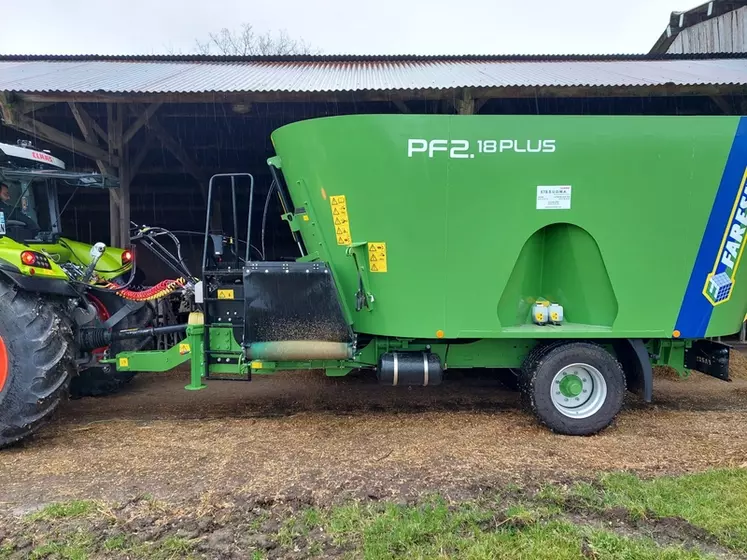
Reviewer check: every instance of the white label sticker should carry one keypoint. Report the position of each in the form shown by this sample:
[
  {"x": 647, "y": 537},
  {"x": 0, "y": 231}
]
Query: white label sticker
[{"x": 556, "y": 197}]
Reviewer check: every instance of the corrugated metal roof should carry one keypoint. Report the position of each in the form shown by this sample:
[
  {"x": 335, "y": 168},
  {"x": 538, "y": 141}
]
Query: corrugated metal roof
[{"x": 158, "y": 75}]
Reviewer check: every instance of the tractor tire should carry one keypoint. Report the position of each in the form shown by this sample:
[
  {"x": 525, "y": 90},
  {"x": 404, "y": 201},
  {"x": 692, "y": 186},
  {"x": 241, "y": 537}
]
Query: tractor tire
[
  {"x": 100, "y": 381},
  {"x": 573, "y": 388},
  {"x": 36, "y": 362}
]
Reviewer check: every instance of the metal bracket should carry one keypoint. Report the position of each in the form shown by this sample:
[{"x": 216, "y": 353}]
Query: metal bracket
[
  {"x": 292, "y": 223},
  {"x": 364, "y": 295},
  {"x": 122, "y": 312}
]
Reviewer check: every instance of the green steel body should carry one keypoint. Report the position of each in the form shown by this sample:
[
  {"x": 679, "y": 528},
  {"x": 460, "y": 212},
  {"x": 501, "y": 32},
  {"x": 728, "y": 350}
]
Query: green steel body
[
  {"x": 621, "y": 220},
  {"x": 468, "y": 251}
]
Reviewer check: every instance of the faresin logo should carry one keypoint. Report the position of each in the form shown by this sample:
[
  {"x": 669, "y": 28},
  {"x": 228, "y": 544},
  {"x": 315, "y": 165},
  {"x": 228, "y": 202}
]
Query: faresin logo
[{"x": 720, "y": 281}]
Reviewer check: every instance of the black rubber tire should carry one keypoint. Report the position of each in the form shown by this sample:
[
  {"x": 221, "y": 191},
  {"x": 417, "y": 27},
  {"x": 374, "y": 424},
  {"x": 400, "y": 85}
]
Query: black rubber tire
[
  {"x": 545, "y": 361},
  {"x": 101, "y": 381},
  {"x": 38, "y": 342}
]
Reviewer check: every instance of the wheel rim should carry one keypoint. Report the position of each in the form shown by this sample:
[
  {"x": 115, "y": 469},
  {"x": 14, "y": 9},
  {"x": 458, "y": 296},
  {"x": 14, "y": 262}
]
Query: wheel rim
[
  {"x": 3, "y": 364},
  {"x": 578, "y": 391}
]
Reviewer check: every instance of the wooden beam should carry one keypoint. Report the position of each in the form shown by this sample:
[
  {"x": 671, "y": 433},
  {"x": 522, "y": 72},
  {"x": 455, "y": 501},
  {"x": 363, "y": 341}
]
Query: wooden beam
[
  {"x": 6, "y": 110},
  {"x": 193, "y": 169},
  {"x": 26, "y": 107},
  {"x": 100, "y": 132},
  {"x": 136, "y": 162},
  {"x": 86, "y": 128},
  {"x": 177, "y": 150},
  {"x": 38, "y": 129},
  {"x": 91, "y": 123},
  {"x": 668, "y": 90},
  {"x": 722, "y": 104},
  {"x": 144, "y": 117},
  {"x": 399, "y": 104},
  {"x": 479, "y": 104}
]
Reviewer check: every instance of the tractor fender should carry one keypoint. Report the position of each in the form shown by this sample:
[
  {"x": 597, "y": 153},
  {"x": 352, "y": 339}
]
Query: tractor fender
[
  {"x": 633, "y": 356},
  {"x": 35, "y": 283}
]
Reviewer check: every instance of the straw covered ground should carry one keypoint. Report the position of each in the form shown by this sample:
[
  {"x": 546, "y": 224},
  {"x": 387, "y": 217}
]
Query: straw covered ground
[
  {"x": 299, "y": 465},
  {"x": 305, "y": 435}
]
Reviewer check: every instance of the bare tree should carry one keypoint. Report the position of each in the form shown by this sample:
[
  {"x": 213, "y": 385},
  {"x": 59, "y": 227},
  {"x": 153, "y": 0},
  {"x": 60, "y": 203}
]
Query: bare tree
[{"x": 245, "y": 42}]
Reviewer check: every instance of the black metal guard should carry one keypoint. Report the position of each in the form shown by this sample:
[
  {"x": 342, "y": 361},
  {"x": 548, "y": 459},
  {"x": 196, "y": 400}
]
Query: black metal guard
[
  {"x": 292, "y": 301},
  {"x": 232, "y": 176},
  {"x": 286, "y": 203}
]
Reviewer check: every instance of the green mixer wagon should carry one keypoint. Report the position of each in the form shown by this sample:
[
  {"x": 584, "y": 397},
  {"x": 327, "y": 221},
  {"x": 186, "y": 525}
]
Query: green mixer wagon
[{"x": 576, "y": 252}]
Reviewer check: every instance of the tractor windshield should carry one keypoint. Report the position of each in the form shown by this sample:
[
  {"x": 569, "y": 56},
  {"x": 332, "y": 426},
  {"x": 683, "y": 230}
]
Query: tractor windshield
[{"x": 27, "y": 199}]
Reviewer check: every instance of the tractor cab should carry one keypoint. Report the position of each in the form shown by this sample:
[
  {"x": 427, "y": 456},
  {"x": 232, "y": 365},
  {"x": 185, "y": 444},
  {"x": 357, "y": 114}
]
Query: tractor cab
[
  {"x": 29, "y": 199},
  {"x": 30, "y": 214}
]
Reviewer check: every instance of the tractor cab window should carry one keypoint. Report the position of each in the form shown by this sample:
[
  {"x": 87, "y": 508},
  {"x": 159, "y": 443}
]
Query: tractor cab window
[
  {"x": 35, "y": 204},
  {"x": 18, "y": 209}
]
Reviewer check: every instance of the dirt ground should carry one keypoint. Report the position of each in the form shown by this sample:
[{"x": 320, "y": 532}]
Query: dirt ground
[{"x": 307, "y": 437}]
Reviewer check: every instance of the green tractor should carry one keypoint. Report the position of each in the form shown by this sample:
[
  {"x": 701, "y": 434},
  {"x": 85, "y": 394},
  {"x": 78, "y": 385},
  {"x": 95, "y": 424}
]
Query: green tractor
[{"x": 54, "y": 290}]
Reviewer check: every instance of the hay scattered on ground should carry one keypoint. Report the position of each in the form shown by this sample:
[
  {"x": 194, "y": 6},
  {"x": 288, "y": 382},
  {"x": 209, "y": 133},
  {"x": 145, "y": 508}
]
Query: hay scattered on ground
[
  {"x": 737, "y": 365},
  {"x": 330, "y": 439}
]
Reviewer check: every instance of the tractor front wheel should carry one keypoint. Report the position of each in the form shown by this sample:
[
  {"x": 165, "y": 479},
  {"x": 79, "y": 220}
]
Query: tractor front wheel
[{"x": 35, "y": 362}]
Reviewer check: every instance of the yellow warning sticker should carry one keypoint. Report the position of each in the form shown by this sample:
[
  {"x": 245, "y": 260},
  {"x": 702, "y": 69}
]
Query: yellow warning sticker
[
  {"x": 340, "y": 220},
  {"x": 377, "y": 257},
  {"x": 256, "y": 365},
  {"x": 124, "y": 362},
  {"x": 225, "y": 294},
  {"x": 183, "y": 349}
]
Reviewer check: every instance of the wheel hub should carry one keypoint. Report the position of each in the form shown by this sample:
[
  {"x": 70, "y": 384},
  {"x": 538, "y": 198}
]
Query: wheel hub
[
  {"x": 578, "y": 390},
  {"x": 571, "y": 386}
]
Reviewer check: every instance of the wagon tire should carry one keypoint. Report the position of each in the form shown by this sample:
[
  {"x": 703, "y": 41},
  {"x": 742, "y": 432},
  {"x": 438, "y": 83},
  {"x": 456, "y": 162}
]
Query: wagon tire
[{"x": 573, "y": 388}]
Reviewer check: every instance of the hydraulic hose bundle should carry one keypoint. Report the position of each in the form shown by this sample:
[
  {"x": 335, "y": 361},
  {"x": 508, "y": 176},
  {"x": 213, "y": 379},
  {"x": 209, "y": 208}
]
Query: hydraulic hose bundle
[{"x": 160, "y": 290}]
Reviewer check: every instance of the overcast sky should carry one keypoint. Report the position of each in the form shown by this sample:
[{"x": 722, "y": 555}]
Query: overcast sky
[{"x": 340, "y": 26}]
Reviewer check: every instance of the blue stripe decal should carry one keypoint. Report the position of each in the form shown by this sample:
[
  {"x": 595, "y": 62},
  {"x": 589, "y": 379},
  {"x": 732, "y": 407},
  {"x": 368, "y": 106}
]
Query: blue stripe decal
[{"x": 696, "y": 309}]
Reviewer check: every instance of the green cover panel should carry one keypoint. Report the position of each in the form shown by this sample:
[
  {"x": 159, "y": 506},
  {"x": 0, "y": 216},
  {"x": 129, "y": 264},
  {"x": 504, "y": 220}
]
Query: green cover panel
[{"x": 477, "y": 219}]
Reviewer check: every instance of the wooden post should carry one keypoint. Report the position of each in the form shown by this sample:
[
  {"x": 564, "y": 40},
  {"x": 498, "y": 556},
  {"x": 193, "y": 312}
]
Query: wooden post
[
  {"x": 114, "y": 230},
  {"x": 465, "y": 105},
  {"x": 124, "y": 180}
]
